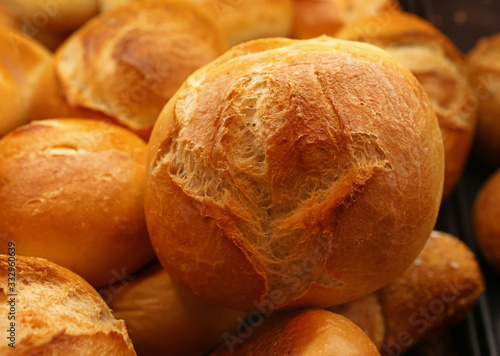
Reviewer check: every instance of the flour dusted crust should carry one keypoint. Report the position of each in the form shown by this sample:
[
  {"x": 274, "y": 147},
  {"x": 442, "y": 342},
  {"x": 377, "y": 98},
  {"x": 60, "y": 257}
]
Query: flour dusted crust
[
  {"x": 311, "y": 170},
  {"x": 58, "y": 313}
]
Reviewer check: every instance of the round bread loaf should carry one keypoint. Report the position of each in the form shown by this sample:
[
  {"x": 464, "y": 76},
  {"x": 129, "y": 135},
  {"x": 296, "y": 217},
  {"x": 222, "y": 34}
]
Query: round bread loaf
[
  {"x": 293, "y": 173},
  {"x": 486, "y": 220},
  {"x": 305, "y": 332},
  {"x": 55, "y": 312},
  {"x": 22, "y": 61},
  {"x": 72, "y": 191},
  {"x": 484, "y": 72},
  {"x": 312, "y": 18},
  {"x": 165, "y": 319},
  {"x": 57, "y": 15},
  {"x": 240, "y": 20},
  {"x": 439, "y": 67},
  {"x": 124, "y": 65}
]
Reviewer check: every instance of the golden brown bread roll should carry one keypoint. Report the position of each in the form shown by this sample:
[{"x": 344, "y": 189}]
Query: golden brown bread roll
[
  {"x": 312, "y": 18},
  {"x": 55, "y": 312},
  {"x": 6, "y": 19},
  {"x": 165, "y": 319},
  {"x": 55, "y": 16},
  {"x": 293, "y": 173},
  {"x": 22, "y": 61},
  {"x": 72, "y": 191},
  {"x": 439, "y": 67},
  {"x": 484, "y": 72},
  {"x": 124, "y": 65},
  {"x": 435, "y": 292},
  {"x": 240, "y": 20},
  {"x": 486, "y": 220},
  {"x": 301, "y": 333}
]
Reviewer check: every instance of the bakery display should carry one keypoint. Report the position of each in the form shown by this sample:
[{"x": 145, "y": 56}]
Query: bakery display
[
  {"x": 22, "y": 61},
  {"x": 486, "y": 220},
  {"x": 124, "y": 65},
  {"x": 285, "y": 174},
  {"x": 439, "y": 288},
  {"x": 305, "y": 332},
  {"x": 165, "y": 319},
  {"x": 439, "y": 67},
  {"x": 55, "y": 312},
  {"x": 72, "y": 191},
  {"x": 484, "y": 73},
  {"x": 313, "y": 18},
  {"x": 240, "y": 20}
]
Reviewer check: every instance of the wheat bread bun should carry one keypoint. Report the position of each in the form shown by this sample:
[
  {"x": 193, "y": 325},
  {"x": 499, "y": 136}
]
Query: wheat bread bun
[
  {"x": 54, "y": 16},
  {"x": 124, "y": 65},
  {"x": 484, "y": 73},
  {"x": 163, "y": 318},
  {"x": 72, "y": 191},
  {"x": 56, "y": 312},
  {"x": 486, "y": 221},
  {"x": 22, "y": 61},
  {"x": 293, "y": 173},
  {"x": 305, "y": 332},
  {"x": 313, "y": 18},
  {"x": 240, "y": 20},
  {"x": 440, "y": 68},
  {"x": 438, "y": 290}
]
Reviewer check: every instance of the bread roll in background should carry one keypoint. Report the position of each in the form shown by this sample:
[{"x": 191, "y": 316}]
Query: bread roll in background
[
  {"x": 440, "y": 68},
  {"x": 56, "y": 312},
  {"x": 22, "y": 61},
  {"x": 293, "y": 173},
  {"x": 305, "y": 332},
  {"x": 72, "y": 191},
  {"x": 441, "y": 286},
  {"x": 124, "y": 65},
  {"x": 240, "y": 20},
  {"x": 165, "y": 319},
  {"x": 55, "y": 16},
  {"x": 484, "y": 72},
  {"x": 312, "y": 18},
  {"x": 486, "y": 221}
]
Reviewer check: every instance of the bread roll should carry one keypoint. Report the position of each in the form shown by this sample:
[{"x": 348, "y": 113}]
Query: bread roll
[
  {"x": 293, "y": 173},
  {"x": 305, "y": 332},
  {"x": 435, "y": 292},
  {"x": 124, "y": 65},
  {"x": 55, "y": 312},
  {"x": 165, "y": 319},
  {"x": 6, "y": 19},
  {"x": 54, "y": 15},
  {"x": 484, "y": 72},
  {"x": 440, "y": 68},
  {"x": 72, "y": 191},
  {"x": 240, "y": 20},
  {"x": 486, "y": 220},
  {"x": 22, "y": 61},
  {"x": 312, "y": 18}
]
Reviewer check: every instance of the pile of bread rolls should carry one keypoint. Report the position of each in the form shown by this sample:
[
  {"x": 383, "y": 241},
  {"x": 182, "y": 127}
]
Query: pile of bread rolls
[{"x": 236, "y": 177}]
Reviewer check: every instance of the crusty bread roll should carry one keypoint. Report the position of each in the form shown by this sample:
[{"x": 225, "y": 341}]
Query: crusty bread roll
[
  {"x": 240, "y": 20},
  {"x": 440, "y": 68},
  {"x": 71, "y": 191},
  {"x": 55, "y": 15},
  {"x": 435, "y": 292},
  {"x": 55, "y": 312},
  {"x": 293, "y": 173},
  {"x": 483, "y": 63},
  {"x": 312, "y": 18},
  {"x": 22, "y": 61},
  {"x": 165, "y": 319},
  {"x": 300, "y": 333},
  {"x": 124, "y": 65},
  {"x": 486, "y": 220}
]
